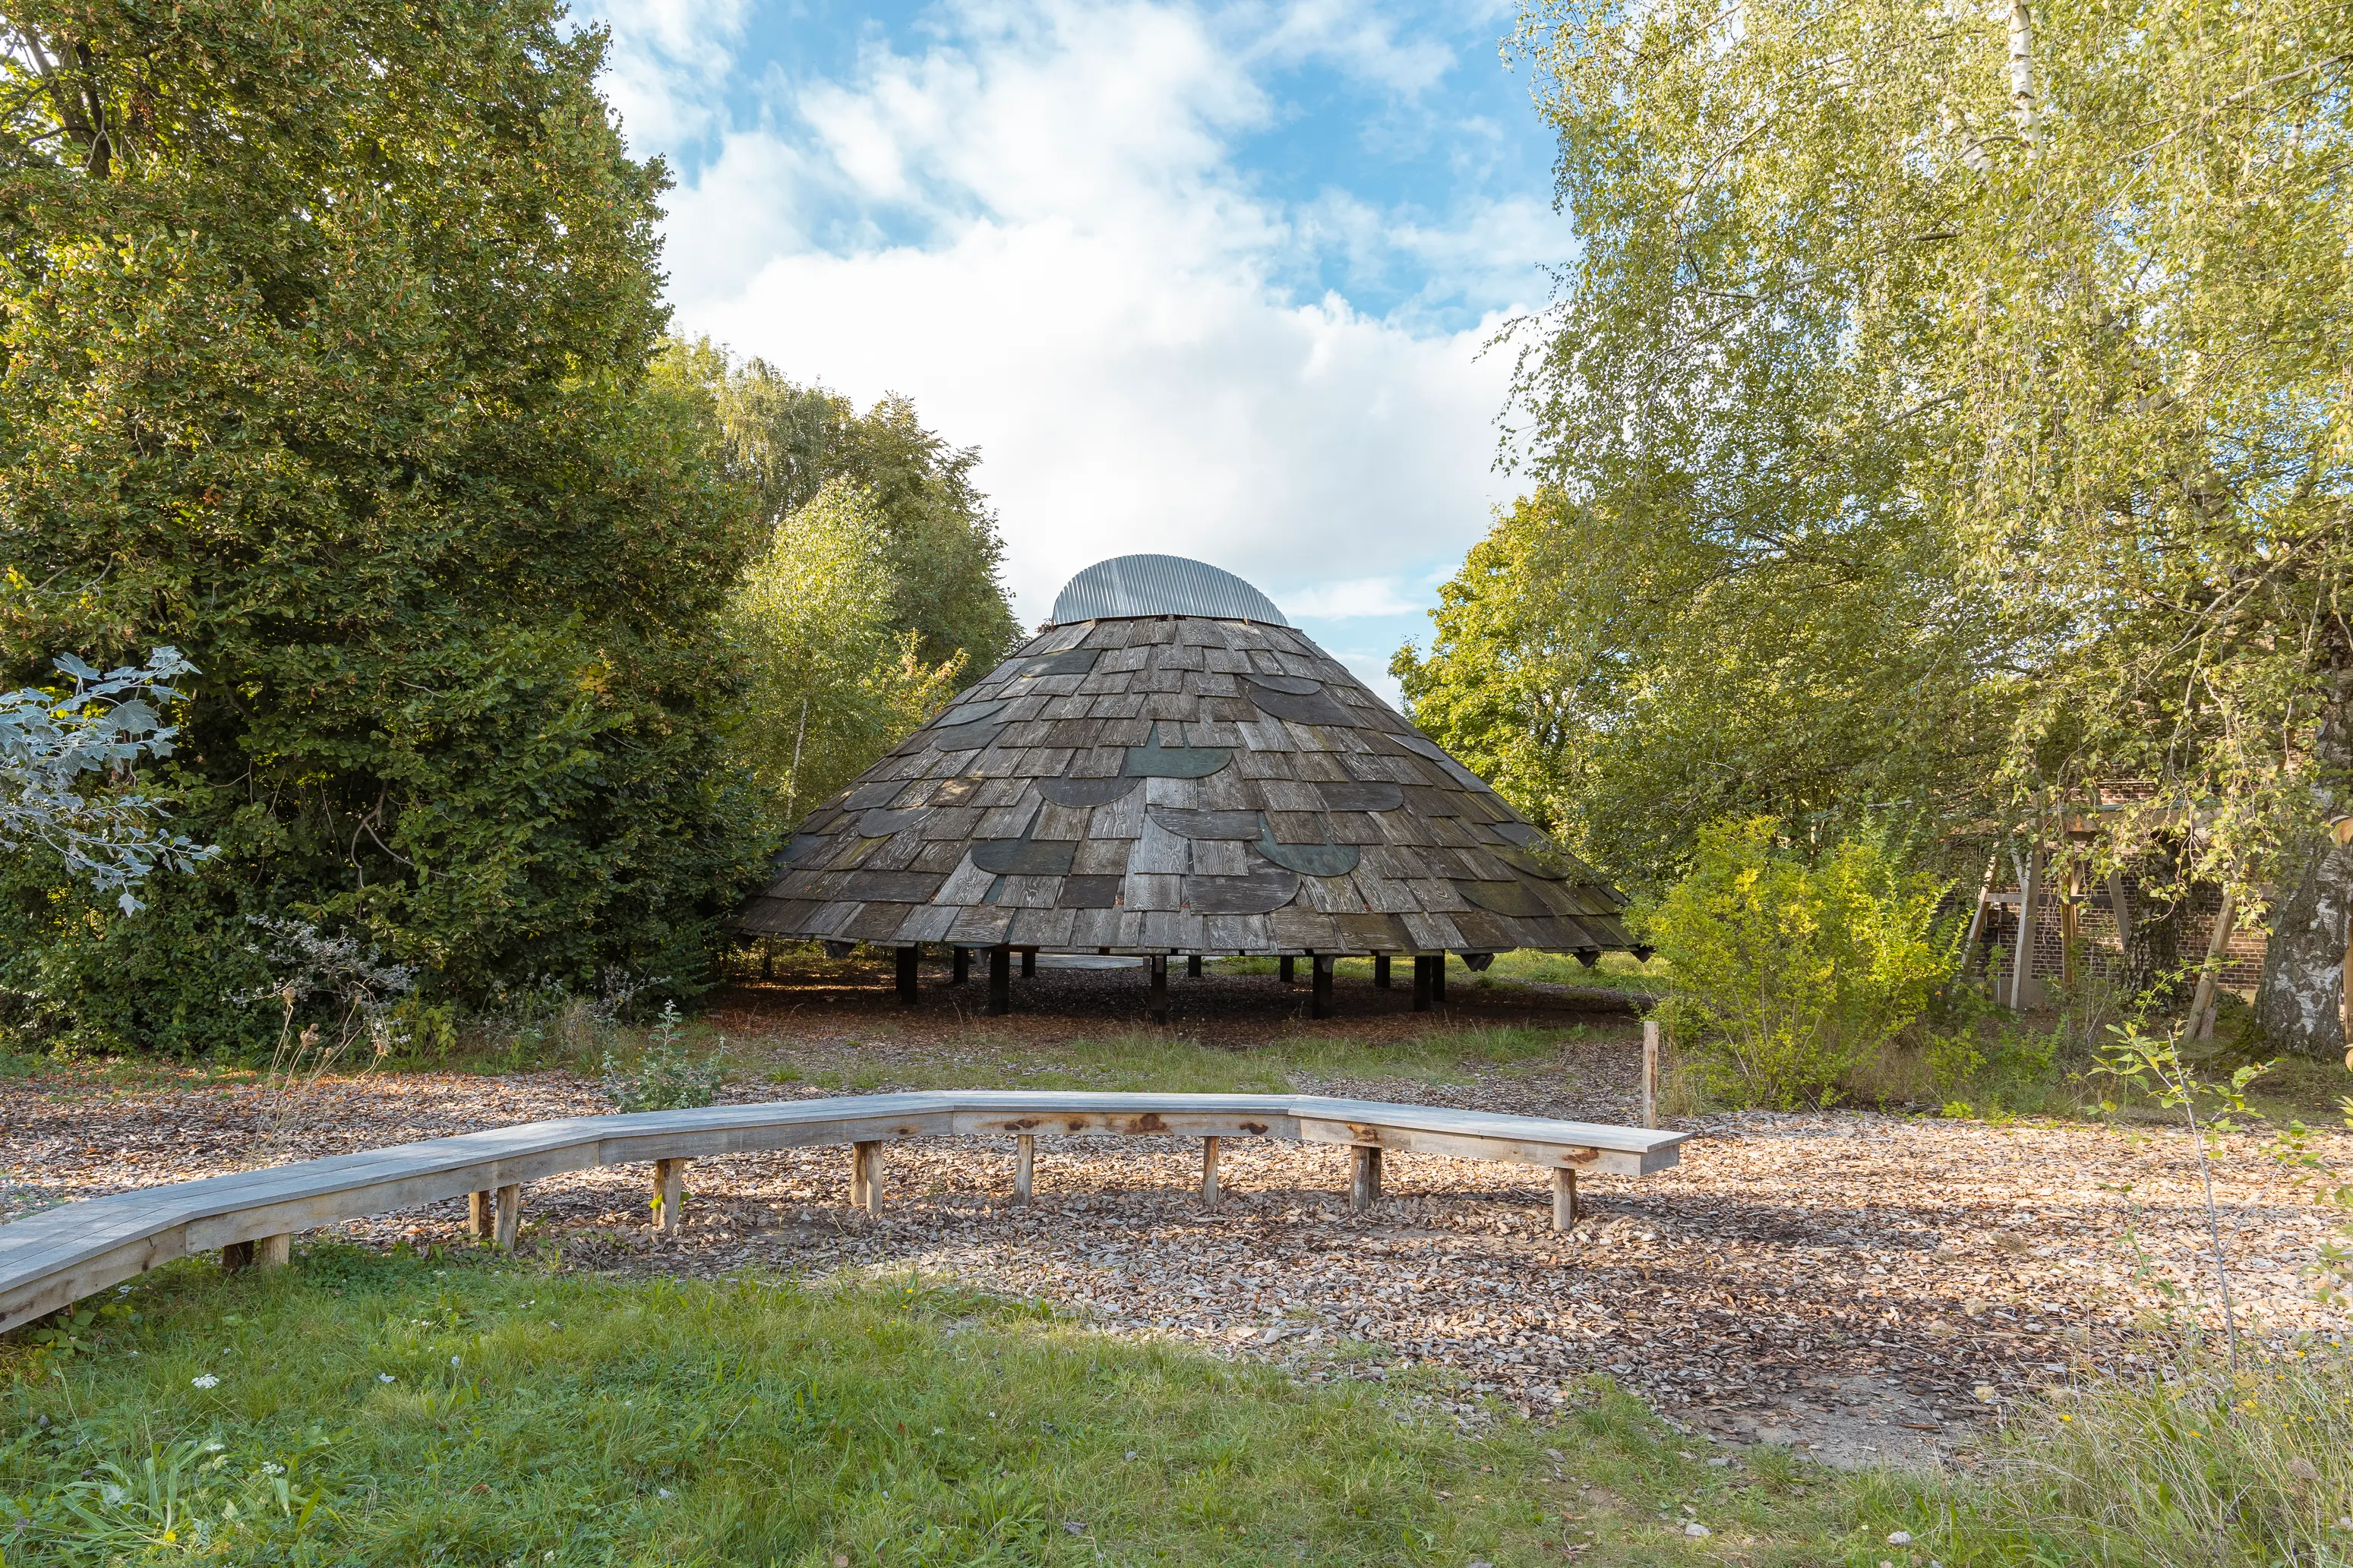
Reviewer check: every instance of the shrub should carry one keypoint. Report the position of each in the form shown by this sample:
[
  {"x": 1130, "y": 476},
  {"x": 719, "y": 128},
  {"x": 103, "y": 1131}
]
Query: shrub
[
  {"x": 1792, "y": 974},
  {"x": 664, "y": 1077}
]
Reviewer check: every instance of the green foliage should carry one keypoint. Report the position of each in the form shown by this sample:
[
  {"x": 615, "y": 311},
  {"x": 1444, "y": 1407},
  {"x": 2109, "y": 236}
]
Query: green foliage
[
  {"x": 2002, "y": 352},
  {"x": 834, "y": 680},
  {"x": 1625, "y": 669},
  {"x": 325, "y": 329},
  {"x": 1792, "y": 974},
  {"x": 662, "y": 1076},
  {"x": 936, "y": 545}
]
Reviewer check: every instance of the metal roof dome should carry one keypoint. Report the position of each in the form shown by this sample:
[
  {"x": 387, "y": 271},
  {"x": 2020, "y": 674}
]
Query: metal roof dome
[{"x": 1130, "y": 585}]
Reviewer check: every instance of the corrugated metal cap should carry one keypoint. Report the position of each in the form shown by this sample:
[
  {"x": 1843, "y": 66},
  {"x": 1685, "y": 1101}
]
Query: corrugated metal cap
[{"x": 1160, "y": 585}]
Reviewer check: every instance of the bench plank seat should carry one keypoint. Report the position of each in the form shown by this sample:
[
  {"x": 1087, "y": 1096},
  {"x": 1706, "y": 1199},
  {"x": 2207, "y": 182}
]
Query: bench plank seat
[{"x": 54, "y": 1258}]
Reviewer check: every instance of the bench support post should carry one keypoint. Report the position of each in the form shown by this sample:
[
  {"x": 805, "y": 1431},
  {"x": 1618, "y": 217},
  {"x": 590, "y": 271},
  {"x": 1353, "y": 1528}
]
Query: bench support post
[
  {"x": 1158, "y": 1002},
  {"x": 1438, "y": 978},
  {"x": 1564, "y": 1198},
  {"x": 1000, "y": 981},
  {"x": 1025, "y": 1166},
  {"x": 1381, "y": 971},
  {"x": 1029, "y": 963},
  {"x": 1421, "y": 997},
  {"x": 274, "y": 1251},
  {"x": 507, "y": 1217},
  {"x": 962, "y": 972},
  {"x": 669, "y": 1195},
  {"x": 1193, "y": 966},
  {"x": 907, "y": 957},
  {"x": 1290, "y": 974},
  {"x": 1319, "y": 997},
  {"x": 478, "y": 1213},
  {"x": 866, "y": 1177},
  {"x": 1209, "y": 1173},
  {"x": 1364, "y": 1176},
  {"x": 237, "y": 1255}
]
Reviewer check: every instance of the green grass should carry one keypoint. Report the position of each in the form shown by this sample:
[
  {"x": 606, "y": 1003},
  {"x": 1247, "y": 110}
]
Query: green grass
[
  {"x": 406, "y": 1410},
  {"x": 1166, "y": 1061}
]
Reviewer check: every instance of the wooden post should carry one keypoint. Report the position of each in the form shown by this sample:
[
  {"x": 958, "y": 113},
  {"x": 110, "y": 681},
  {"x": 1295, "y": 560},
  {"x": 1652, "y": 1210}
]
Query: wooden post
[
  {"x": 907, "y": 973},
  {"x": 1319, "y": 999},
  {"x": 866, "y": 1177},
  {"x": 274, "y": 1251},
  {"x": 1381, "y": 971},
  {"x": 506, "y": 1220},
  {"x": 1422, "y": 1002},
  {"x": 1209, "y": 1173},
  {"x": 2029, "y": 894},
  {"x": 1564, "y": 1198},
  {"x": 1438, "y": 978},
  {"x": 1029, "y": 963},
  {"x": 1158, "y": 999},
  {"x": 1000, "y": 981},
  {"x": 1289, "y": 975},
  {"x": 2209, "y": 974},
  {"x": 1650, "y": 1072},
  {"x": 237, "y": 1255},
  {"x": 962, "y": 959},
  {"x": 669, "y": 1195},
  {"x": 1364, "y": 1176},
  {"x": 1978, "y": 917},
  {"x": 1025, "y": 1165},
  {"x": 2071, "y": 957},
  {"x": 1193, "y": 966},
  {"x": 767, "y": 959},
  {"x": 478, "y": 1213}
]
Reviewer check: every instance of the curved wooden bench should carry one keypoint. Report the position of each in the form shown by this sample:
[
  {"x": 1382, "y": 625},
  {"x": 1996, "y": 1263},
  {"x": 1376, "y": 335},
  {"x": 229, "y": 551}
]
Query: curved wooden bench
[{"x": 54, "y": 1258}]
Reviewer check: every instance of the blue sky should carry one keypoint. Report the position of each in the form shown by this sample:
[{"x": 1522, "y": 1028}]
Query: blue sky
[{"x": 1207, "y": 279}]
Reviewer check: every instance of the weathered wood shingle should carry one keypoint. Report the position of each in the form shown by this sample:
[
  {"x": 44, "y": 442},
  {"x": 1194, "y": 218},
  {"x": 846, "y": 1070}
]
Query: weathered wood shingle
[{"x": 1170, "y": 784}]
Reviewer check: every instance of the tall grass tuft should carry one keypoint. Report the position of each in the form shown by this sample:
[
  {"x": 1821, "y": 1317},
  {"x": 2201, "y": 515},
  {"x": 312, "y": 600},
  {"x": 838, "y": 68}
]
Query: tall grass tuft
[{"x": 2192, "y": 1465}]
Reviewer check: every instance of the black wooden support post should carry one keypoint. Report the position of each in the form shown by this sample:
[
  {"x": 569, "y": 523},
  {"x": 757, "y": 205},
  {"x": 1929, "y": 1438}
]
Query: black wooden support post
[
  {"x": 907, "y": 957},
  {"x": 1000, "y": 981},
  {"x": 1193, "y": 966},
  {"x": 1289, "y": 976},
  {"x": 1158, "y": 963},
  {"x": 1421, "y": 999},
  {"x": 1319, "y": 999},
  {"x": 963, "y": 967},
  {"x": 1438, "y": 977},
  {"x": 1029, "y": 963},
  {"x": 1364, "y": 1176},
  {"x": 1381, "y": 970}
]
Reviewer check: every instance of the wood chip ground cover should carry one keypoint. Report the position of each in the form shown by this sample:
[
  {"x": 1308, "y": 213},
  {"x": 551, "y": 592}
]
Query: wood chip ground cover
[{"x": 1857, "y": 1286}]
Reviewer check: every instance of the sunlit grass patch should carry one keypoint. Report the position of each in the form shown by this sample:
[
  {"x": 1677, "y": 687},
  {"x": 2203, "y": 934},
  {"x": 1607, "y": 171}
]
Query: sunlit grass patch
[{"x": 363, "y": 1409}]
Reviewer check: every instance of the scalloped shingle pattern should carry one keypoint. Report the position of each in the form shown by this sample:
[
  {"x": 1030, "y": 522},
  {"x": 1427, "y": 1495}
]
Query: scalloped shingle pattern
[{"x": 1178, "y": 784}]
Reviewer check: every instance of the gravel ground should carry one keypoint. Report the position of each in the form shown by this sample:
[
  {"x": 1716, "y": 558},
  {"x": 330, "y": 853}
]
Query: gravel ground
[{"x": 1862, "y": 1287}]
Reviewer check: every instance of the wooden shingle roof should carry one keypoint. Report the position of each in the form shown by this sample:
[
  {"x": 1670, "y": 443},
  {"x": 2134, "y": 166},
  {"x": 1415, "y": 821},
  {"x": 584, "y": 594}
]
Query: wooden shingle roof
[{"x": 1178, "y": 784}]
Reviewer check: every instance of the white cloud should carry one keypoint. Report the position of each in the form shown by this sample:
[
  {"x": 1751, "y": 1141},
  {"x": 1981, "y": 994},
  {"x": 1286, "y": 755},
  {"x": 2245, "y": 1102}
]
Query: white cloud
[
  {"x": 1034, "y": 227},
  {"x": 1351, "y": 599}
]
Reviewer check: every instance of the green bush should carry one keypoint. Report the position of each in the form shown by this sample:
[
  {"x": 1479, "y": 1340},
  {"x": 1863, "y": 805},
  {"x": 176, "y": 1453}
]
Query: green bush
[{"x": 1792, "y": 973}]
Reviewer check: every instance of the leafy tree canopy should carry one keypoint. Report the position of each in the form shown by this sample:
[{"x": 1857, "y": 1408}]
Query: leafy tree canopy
[
  {"x": 937, "y": 537},
  {"x": 325, "y": 326}
]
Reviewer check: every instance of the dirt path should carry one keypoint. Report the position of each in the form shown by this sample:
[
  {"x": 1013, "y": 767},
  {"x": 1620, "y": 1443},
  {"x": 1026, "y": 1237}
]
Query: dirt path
[{"x": 1847, "y": 1283}]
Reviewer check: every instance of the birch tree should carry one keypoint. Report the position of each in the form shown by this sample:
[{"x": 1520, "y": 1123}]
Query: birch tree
[{"x": 2068, "y": 283}]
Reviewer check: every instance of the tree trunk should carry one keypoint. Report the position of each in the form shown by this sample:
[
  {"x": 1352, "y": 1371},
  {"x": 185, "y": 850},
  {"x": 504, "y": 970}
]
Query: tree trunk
[{"x": 2301, "y": 1002}]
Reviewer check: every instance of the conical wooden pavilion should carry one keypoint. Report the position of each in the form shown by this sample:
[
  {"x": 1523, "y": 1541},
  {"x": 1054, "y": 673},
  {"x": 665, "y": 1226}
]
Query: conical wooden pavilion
[{"x": 1170, "y": 768}]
